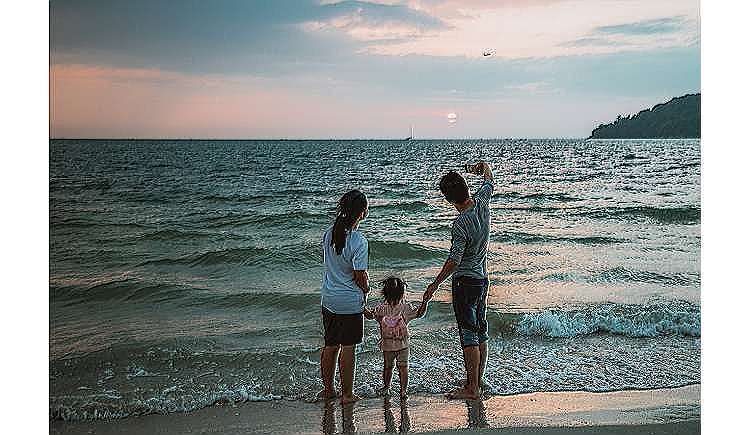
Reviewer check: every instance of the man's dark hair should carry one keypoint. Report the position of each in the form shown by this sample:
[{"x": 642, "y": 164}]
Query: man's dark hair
[
  {"x": 454, "y": 187},
  {"x": 393, "y": 289}
]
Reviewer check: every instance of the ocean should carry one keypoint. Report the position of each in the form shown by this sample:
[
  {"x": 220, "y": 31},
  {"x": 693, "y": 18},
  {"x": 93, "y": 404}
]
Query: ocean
[{"x": 185, "y": 274}]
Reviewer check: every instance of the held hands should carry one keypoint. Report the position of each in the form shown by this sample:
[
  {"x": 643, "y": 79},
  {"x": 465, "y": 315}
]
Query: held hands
[
  {"x": 430, "y": 292},
  {"x": 369, "y": 315}
]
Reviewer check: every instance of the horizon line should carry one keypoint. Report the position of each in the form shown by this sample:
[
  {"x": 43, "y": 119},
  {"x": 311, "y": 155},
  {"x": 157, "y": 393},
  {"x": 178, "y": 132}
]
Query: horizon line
[
  {"x": 133, "y": 139},
  {"x": 311, "y": 139}
]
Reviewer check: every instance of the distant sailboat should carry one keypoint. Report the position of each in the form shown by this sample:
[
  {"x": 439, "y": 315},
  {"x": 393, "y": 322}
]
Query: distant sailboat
[{"x": 411, "y": 133}]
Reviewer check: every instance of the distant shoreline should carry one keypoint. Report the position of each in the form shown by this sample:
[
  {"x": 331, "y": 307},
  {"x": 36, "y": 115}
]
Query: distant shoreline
[{"x": 678, "y": 118}]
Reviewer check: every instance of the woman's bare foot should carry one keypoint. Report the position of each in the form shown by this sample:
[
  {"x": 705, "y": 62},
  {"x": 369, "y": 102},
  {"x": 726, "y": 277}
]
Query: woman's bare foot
[
  {"x": 349, "y": 399},
  {"x": 325, "y": 395},
  {"x": 463, "y": 394}
]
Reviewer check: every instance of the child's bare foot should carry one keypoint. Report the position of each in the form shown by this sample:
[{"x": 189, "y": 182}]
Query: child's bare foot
[
  {"x": 349, "y": 399},
  {"x": 463, "y": 394},
  {"x": 325, "y": 395}
]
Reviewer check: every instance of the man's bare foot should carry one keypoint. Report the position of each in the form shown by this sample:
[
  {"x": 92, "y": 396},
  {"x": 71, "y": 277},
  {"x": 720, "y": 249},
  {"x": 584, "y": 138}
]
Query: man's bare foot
[
  {"x": 483, "y": 385},
  {"x": 349, "y": 399},
  {"x": 463, "y": 394},
  {"x": 385, "y": 391},
  {"x": 325, "y": 395},
  {"x": 404, "y": 396}
]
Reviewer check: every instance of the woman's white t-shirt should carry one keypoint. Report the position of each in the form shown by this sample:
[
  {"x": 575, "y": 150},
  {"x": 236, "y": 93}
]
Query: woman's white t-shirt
[{"x": 339, "y": 293}]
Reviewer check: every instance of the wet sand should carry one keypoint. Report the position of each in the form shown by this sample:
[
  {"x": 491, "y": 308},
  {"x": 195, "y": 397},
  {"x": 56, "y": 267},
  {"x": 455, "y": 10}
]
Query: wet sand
[{"x": 667, "y": 411}]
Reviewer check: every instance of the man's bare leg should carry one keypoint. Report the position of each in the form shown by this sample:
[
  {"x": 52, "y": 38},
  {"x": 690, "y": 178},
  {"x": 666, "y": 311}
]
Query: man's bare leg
[
  {"x": 346, "y": 374},
  {"x": 482, "y": 362},
  {"x": 327, "y": 370},
  {"x": 471, "y": 362}
]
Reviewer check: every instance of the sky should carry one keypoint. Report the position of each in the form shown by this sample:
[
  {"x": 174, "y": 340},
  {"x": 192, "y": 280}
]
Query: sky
[{"x": 364, "y": 69}]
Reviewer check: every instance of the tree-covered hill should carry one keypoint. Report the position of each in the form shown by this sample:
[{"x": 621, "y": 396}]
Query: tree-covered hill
[{"x": 678, "y": 118}]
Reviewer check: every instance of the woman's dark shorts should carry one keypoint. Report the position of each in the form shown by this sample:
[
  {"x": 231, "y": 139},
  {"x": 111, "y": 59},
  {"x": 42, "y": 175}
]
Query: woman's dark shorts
[
  {"x": 470, "y": 307},
  {"x": 342, "y": 329}
]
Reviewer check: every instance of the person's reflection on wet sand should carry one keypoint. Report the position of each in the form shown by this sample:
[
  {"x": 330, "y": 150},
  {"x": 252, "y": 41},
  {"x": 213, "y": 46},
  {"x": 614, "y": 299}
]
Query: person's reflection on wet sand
[
  {"x": 328, "y": 423},
  {"x": 476, "y": 414},
  {"x": 347, "y": 418},
  {"x": 405, "y": 419},
  {"x": 390, "y": 421}
]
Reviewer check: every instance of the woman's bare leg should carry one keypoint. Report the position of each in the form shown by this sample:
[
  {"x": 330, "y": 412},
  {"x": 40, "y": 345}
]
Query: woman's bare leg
[
  {"x": 347, "y": 361},
  {"x": 327, "y": 369}
]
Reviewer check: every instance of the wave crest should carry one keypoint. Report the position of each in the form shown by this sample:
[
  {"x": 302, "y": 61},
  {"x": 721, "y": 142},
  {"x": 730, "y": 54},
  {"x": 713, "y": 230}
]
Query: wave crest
[
  {"x": 652, "y": 320},
  {"x": 675, "y": 215}
]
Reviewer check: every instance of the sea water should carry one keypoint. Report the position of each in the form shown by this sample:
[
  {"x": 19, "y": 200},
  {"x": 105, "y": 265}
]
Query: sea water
[{"x": 187, "y": 273}]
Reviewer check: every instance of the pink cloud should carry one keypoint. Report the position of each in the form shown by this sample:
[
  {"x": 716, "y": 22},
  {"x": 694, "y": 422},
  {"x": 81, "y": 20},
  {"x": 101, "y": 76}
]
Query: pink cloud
[
  {"x": 518, "y": 28},
  {"x": 116, "y": 102}
]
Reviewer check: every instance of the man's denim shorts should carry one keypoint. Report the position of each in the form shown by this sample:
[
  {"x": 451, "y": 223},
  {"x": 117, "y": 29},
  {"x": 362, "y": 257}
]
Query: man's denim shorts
[{"x": 470, "y": 307}]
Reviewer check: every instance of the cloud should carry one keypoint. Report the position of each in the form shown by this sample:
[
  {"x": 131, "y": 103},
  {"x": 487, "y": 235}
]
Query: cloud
[
  {"x": 592, "y": 42},
  {"x": 373, "y": 22},
  {"x": 244, "y": 68},
  {"x": 516, "y": 29},
  {"x": 647, "y": 27},
  {"x": 221, "y": 36},
  {"x": 285, "y": 36},
  {"x": 661, "y": 32},
  {"x": 374, "y": 14},
  {"x": 225, "y": 36}
]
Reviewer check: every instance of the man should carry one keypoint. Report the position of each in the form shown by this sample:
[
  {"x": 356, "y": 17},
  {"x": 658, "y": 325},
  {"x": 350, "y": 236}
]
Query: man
[{"x": 467, "y": 262}]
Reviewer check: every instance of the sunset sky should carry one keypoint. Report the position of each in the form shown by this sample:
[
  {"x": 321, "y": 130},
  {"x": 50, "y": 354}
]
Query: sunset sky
[{"x": 355, "y": 69}]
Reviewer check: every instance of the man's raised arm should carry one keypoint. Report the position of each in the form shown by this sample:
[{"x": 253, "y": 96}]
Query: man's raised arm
[{"x": 483, "y": 168}]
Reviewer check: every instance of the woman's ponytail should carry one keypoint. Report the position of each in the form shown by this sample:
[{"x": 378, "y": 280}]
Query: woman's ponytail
[{"x": 349, "y": 208}]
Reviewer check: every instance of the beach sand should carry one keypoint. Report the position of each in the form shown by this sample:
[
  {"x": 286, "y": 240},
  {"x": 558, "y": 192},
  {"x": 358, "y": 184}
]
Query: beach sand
[{"x": 667, "y": 411}]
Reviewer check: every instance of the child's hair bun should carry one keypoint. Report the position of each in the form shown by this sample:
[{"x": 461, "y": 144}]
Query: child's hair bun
[{"x": 393, "y": 288}]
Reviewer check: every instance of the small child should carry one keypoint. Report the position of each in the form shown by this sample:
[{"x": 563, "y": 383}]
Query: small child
[{"x": 393, "y": 315}]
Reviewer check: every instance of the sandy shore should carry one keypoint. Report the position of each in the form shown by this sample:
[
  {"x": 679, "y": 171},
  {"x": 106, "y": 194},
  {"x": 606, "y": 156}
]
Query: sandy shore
[
  {"x": 675, "y": 428},
  {"x": 668, "y": 411}
]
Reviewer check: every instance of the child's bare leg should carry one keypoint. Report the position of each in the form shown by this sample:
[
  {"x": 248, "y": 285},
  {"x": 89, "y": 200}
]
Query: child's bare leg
[
  {"x": 403, "y": 378},
  {"x": 387, "y": 370}
]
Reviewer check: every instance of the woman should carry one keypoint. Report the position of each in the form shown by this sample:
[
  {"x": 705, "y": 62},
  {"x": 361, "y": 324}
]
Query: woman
[{"x": 342, "y": 300}]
